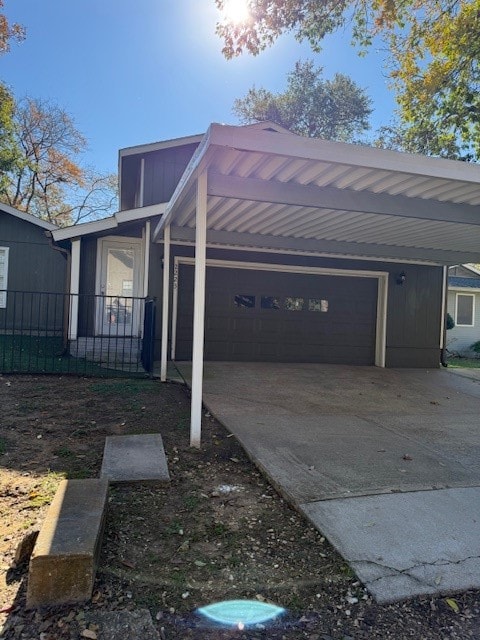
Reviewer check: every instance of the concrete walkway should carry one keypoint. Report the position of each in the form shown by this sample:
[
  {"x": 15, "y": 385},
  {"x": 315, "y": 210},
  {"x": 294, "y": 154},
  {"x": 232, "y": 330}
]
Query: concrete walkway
[{"x": 385, "y": 463}]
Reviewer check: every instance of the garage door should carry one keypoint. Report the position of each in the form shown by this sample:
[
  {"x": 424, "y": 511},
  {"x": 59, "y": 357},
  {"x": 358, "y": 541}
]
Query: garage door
[{"x": 280, "y": 317}]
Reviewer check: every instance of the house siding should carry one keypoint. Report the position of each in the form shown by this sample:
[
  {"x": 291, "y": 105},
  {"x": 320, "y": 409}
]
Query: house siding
[
  {"x": 35, "y": 267},
  {"x": 162, "y": 172},
  {"x": 33, "y": 264},
  {"x": 460, "y": 339}
]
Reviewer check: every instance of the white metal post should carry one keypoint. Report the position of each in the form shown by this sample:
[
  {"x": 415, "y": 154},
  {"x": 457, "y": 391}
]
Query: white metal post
[
  {"x": 165, "y": 298},
  {"x": 199, "y": 310},
  {"x": 146, "y": 258},
  {"x": 74, "y": 289}
]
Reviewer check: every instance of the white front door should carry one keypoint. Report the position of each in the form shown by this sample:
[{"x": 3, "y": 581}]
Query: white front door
[{"x": 119, "y": 284}]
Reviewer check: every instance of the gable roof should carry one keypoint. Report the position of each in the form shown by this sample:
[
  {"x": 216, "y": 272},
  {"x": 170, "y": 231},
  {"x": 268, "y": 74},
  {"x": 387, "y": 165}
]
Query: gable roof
[
  {"x": 27, "y": 217},
  {"x": 282, "y": 191}
]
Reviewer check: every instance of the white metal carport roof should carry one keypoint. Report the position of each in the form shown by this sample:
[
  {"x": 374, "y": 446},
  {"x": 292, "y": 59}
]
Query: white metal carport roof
[
  {"x": 259, "y": 187},
  {"x": 281, "y": 191}
]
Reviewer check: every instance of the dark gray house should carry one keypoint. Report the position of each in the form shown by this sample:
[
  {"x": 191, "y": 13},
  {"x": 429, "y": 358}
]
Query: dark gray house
[
  {"x": 32, "y": 273},
  {"x": 261, "y": 245}
]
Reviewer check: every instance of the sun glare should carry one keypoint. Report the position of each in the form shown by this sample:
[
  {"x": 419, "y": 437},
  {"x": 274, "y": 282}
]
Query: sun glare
[{"x": 236, "y": 11}]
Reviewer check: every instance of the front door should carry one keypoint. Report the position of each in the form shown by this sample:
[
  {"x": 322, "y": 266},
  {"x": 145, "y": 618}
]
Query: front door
[{"x": 119, "y": 287}]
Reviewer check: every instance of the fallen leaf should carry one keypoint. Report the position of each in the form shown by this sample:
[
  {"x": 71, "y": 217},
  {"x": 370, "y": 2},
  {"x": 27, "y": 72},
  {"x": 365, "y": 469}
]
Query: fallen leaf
[
  {"x": 88, "y": 633},
  {"x": 453, "y": 604},
  {"x": 407, "y": 457},
  {"x": 127, "y": 563},
  {"x": 7, "y": 609},
  {"x": 199, "y": 563}
]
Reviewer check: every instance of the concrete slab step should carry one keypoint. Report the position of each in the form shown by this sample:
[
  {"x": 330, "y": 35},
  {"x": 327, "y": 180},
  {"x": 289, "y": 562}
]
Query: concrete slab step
[
  {"x": 65, "y": 557},
  {"x": 135, "y": 458}
]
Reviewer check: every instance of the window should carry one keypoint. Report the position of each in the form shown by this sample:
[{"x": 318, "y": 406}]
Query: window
[
  {"x": 269, "y": 302},
  {"x": 315, "y": 304},
  {"x": 293, "y": 304},
  {"x": 465, "y": 309},
  {"x": 3, "y": 276},
  {"x": 244, "y": 302}
]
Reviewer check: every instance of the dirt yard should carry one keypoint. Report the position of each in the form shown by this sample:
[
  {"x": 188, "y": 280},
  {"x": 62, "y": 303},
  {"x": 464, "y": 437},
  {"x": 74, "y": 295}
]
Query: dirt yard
[{"x": 218, "y": 531}]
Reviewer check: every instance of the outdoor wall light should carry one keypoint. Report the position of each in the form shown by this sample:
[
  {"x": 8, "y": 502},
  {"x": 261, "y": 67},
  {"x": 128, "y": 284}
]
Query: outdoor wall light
[{"x": 401, "y": 278}]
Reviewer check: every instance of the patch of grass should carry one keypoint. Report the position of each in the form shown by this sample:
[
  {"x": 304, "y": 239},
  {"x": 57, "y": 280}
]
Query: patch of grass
[
  {"x": 192, "y": 502},
  {"x": 40, "y": 354},
  {"x": 218, "y": 530},
  {"x": 464, "y": 363},
  {"x": 79, "y": 474},
  {"x": 63, "y": 452},
  {"x": 173, "y": 528},
  {"x": 44, "y": 492}
]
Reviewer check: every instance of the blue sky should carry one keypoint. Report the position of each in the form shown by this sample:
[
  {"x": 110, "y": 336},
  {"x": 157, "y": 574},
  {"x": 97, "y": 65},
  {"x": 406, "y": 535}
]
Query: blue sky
[{"x": 136, "y": 72}]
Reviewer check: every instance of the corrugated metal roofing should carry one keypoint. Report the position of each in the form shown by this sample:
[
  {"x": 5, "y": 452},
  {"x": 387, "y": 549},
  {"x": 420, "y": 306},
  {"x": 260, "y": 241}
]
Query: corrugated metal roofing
[{"x": 263, "y": 161}]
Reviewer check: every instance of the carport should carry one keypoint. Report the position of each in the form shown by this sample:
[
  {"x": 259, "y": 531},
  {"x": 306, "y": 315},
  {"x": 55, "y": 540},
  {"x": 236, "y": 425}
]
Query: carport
[
  {"x": 360, "y": 212},
  {"x": 384, "y": 462}
]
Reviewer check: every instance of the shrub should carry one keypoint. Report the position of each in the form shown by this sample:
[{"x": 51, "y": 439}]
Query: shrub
[{"x": 475, "y": 346}]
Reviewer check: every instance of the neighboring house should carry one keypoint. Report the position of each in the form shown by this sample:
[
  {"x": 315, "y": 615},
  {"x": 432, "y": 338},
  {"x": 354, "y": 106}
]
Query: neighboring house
[
  {"x": 30, "y": 268},
  {"x": 464, "y": 307},
  {"x": 262, "y": 245}
]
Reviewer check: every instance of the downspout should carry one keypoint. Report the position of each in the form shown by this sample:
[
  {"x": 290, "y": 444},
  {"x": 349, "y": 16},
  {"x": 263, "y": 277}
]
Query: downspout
[{"x": 443, "y": 352}]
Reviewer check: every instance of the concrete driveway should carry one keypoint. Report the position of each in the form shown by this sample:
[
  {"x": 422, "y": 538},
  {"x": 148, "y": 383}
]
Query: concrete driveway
[{"x": 384, "y": 462}]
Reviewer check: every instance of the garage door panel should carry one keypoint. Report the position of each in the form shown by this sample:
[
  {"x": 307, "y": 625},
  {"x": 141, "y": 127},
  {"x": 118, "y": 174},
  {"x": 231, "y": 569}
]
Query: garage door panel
[{"x": 318, "y": 318}]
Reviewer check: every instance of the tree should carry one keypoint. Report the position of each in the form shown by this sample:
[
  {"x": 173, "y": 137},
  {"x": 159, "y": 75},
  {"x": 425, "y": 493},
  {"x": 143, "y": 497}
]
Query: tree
[
  {"x": 9, "y": 31},
  {"x": 433, "y": 56},
  {"x": 42, "y": 173},
  {"x": 310, "y": 106}
]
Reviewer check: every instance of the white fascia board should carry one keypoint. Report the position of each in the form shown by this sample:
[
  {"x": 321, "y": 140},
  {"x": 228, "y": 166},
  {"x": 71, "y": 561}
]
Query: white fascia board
[
  {"x": 84, "y": 229},
  {"x": 139, "y": 213},
  {"x": 290, "y": 145},
  {"x": 157, "y": 146},
  {"x": 472, "y": 268},
  {"x": 471, "y": 290},
  {"x": 28, "y": 217}
]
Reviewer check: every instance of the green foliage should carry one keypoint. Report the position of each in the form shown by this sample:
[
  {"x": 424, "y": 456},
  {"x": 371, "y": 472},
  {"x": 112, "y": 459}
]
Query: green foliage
[
  {"x": 475, "y": 346},
  {"x": 9, "y": 31},
  {"x": 450, "y": 323},
  {"x": 433, "y": 50},
  {"x": 44, "y": 492},
  {"x": 41, "y": 170},
  {"x": 311, "y": 106}
]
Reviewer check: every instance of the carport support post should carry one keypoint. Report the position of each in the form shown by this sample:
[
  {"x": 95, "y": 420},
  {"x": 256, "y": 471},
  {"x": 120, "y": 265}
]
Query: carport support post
[
  {"x": 165, "y": 297},
  {"x": 74, "y": 289},
  {"x": 199, "y": 310}
]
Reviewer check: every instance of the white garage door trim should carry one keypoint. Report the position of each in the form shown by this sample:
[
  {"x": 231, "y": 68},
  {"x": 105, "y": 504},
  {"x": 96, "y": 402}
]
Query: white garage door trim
[{"x": 380, "y": 276}]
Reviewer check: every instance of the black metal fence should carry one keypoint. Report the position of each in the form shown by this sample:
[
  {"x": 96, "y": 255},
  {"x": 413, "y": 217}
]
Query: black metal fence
[{"x": 42, "y": 332}]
